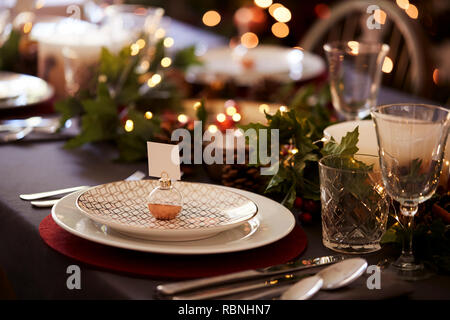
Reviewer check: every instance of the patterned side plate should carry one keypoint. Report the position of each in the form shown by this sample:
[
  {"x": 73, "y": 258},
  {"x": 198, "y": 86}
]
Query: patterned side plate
[{"x": 207, "y": 210}]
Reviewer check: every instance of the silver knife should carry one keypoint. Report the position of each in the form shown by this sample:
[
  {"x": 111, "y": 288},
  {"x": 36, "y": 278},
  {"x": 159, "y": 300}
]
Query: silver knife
[
  {"x": 296, "y": 265},
  {"x": 274, "y": 282}
]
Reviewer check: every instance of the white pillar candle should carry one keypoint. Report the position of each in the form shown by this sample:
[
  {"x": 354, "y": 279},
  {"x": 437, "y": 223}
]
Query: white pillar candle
[{"x": 70, "y": 49}]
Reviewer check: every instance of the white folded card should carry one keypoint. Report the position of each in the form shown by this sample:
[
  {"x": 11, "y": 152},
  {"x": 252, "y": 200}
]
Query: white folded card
[{"x": 163, "y": 158}]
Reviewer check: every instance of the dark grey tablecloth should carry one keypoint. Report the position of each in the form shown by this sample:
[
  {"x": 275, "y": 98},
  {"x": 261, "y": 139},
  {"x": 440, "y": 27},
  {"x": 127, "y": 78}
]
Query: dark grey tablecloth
[{"x": 36, "y": 271}]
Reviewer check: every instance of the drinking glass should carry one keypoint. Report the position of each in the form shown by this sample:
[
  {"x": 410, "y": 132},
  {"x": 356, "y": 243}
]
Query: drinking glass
[
  {"x": 5, "y": 24},
  {"x": 355, "y": 75},
  {"x": 354, "y": 203},
  {"x": 411, "y": 140}
]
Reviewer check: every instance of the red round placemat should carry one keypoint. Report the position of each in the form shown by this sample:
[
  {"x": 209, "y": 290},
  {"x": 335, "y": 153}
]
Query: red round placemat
[{"x": 170, "y": 266}]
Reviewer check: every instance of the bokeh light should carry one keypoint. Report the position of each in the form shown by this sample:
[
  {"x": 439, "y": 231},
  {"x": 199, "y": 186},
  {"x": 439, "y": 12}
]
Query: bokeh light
[
  {"x": 211, "y": 18},
  {"x": 182, "y": 118},
  {"x": 148, "y": 115},
  {"x": 129, "y": 125},
  {"x": 404, "y": 4},
  {"x": 141, "y": 43},
  {"x": 236, "y": 117},
  {"x": 282, "y": 14},
  {"x": 273, "y": 7},
  {"x": 231, "y": 110},
  {"x": 436, "y": 76},
  {"x": 354, "y": 47},
  {"x": 154, "y": 80},
  {"x": 263, "y": 3},
  {"x": 197, "y": 105},
  {"x": 168, "y": 42},
  {"x": 280, "y": 30},
  {"x": 27, "y": 27},
  {"x": 213, "y": 128},
  {"x": 249, "y": 40},
  {"x": 380, "y": 16},
  {"x": 134, "y": 49},
  {"x": 412, "y": 11},
  {"x": 221, "y": 117},
  {"x": 388, "y": 65},
  {"x": 166, "y": 62}
]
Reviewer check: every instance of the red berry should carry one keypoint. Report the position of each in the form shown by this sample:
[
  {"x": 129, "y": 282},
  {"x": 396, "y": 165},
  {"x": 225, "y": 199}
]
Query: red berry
[
  {"x": 298, "y": 202},
  {"x": 311, "y": 206},
  {"x": 306, "y": 217}
]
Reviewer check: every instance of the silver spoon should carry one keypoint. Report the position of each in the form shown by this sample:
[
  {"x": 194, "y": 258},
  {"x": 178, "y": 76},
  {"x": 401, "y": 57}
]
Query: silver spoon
[{"x": 333, "y": 277}]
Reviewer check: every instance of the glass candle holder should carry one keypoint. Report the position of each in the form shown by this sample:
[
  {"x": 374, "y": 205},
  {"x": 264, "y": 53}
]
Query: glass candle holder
[{"x": 165, "y": 201}]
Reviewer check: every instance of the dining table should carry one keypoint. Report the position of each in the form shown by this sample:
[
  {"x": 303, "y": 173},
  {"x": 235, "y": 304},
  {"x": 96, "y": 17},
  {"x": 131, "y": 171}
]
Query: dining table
[{"x": 36, "y": 271}]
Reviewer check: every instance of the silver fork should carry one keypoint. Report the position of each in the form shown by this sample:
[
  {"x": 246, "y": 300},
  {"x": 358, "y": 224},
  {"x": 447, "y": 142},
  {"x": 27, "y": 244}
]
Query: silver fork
[{"x": 138, "y": 175}]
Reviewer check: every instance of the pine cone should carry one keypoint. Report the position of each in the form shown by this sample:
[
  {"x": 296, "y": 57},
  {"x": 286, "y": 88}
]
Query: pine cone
[{"x": 242, "y": 176}]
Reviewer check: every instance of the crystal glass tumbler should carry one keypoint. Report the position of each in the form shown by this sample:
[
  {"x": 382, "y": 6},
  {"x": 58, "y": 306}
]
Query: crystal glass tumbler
[{"x": 354, "y": 203}]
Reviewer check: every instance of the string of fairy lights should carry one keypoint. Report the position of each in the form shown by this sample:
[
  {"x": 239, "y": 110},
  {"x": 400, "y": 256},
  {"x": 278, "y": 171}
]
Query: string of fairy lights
[
  {"x": 244, "y": 18},
  {"x": 247, "y": 16}
]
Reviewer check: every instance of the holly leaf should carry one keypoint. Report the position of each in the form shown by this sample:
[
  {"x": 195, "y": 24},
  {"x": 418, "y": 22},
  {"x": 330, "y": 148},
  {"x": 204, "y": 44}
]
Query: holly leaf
[
  {"x": 289, "y": 199},
  {"x": 347, "y": 147},
  {"x": 99, "y": 122}
]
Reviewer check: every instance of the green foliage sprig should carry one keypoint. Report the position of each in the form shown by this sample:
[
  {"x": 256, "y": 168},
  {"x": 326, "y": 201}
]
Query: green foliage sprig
[
  {"x": 301, "y": 128},
  {"x": 120, "y": 93},
  {"x": 9, "y": 52}
]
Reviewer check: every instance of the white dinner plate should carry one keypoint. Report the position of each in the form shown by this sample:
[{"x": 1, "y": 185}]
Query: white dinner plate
[
  {"x": 277, "y": 63},
  {"x": 20, "y": 90},
  {"x": 273, "y": 222},
  {"x": 206, "y": 210}
]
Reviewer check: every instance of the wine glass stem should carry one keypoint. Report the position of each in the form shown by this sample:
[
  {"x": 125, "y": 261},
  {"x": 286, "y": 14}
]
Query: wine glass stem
[
  {"x": 408, "y": 240},
  {"x": 409, "y": 211}
]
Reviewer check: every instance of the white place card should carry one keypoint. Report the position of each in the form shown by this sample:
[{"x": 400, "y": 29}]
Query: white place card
[{"x": 163, "y": 157}]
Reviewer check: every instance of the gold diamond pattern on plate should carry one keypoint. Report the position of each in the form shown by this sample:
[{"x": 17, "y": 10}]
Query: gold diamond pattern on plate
[{"x": 204, "y": 206}]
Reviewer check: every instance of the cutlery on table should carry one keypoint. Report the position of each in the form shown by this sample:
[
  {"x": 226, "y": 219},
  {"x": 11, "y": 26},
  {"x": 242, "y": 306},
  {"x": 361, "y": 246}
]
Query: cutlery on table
[
  {"x": 41, "y": 124},
  {"x": 47, "y": 194},
  {"x": 16, "y": 135},
  {"x": 333, "y": 277},
  {"x": 296, "y": 265},
  {"x": 235, "y": 288},
  {"x": 18, "y": 129},
  {"x": 138, "y": 175}
]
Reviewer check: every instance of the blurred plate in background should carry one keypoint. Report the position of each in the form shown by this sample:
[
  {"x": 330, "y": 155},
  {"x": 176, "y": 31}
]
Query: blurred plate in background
[
  {"x": 248, "y": 67},
  {"x": 20, "y": 90}
]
